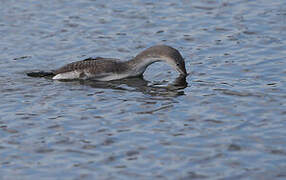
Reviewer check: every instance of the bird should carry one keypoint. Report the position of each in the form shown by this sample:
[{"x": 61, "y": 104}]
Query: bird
[{"x": 108, "y": 69}]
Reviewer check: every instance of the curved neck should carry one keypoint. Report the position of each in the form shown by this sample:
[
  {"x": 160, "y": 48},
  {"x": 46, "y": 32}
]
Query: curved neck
[{"x": 139, "y": 65}]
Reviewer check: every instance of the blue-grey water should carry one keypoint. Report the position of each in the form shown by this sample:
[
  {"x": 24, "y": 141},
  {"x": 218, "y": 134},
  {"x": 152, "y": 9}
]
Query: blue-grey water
[{"x": 227, "y": 120}]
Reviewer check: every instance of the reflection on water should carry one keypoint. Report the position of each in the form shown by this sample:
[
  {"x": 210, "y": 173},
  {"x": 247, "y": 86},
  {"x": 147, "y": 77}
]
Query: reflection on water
[
  {"x": 138, "y": 84},
  {"x": 225, "y": 121}
]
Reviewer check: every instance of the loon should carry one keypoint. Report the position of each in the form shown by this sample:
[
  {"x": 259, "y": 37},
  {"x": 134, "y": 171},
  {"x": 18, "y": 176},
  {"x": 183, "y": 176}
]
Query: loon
[{"x": 107, "y": 69}]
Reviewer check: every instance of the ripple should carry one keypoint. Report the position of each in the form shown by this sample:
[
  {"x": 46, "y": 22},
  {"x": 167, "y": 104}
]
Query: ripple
[{"x": 226, "y": 120}]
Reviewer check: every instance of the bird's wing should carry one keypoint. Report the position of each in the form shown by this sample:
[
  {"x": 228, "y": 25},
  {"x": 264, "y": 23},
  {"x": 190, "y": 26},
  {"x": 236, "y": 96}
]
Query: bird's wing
[{"x": 93, "y": 65}]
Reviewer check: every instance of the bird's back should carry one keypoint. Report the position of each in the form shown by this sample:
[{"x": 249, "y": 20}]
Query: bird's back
[{"x": 96, "y": 68}]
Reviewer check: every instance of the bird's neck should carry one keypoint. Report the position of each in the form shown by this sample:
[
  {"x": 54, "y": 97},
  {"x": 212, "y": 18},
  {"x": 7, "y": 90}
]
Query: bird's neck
[{"x": 138, "y": 65}]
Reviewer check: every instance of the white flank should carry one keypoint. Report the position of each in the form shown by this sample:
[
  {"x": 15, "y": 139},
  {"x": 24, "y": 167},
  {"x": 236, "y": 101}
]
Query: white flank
[
  {"x": 67, "y": 75},
  {"x": 76, "y": 75}
]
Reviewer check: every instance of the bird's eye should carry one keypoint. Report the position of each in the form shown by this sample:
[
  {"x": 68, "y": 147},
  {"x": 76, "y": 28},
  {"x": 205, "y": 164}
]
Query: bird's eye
[{"x": 177, "y": 64}]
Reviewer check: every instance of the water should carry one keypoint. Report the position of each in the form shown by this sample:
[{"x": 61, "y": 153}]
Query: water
[{"x": 226, "y": 121}]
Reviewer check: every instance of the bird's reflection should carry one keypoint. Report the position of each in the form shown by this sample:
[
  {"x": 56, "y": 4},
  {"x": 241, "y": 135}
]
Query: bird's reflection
[{"x": 139, "y": 84}]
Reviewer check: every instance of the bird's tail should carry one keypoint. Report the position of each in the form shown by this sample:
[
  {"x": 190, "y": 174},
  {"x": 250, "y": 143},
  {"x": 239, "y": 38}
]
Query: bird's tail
[{"x": 41, "y": 74}]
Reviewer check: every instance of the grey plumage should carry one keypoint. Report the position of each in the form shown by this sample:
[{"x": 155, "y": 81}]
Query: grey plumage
[
  {"x": 94, "y": 66},
  {"x": 106, "y": 69}
]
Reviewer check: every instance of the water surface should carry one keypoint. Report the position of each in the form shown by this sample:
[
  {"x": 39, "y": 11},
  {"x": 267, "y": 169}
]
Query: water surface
[{"x": 225, "y": 121}]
